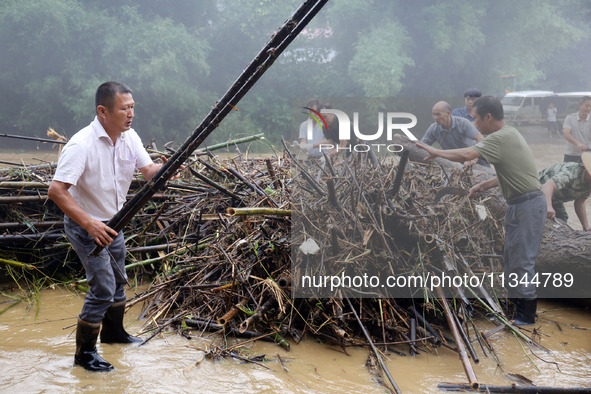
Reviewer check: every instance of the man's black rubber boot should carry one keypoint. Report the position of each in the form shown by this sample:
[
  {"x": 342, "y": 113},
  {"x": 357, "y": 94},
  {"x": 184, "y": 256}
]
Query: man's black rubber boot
[
  {"x": 526, "y": 312},
  {"x": 113, "y": 331},
  {"x": 86, "y": 354}
]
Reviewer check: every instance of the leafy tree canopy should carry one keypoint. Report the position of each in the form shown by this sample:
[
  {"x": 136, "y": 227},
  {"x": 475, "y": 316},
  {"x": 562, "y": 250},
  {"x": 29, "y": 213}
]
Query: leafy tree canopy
[{"x": 180, "y": 56}]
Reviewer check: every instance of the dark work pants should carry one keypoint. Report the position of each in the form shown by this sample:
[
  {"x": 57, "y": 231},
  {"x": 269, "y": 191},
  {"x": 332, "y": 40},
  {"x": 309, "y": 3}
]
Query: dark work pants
[
  {"x": 572, "y": 158},
  {"x": 106, "y": 282},
  {"x": 524, "y": 226}
]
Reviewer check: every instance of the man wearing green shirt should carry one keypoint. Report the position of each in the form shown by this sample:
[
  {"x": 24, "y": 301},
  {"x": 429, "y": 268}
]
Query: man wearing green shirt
[
  {"x": 505, "y": 148},
  {"x": 568, "y": 181}
]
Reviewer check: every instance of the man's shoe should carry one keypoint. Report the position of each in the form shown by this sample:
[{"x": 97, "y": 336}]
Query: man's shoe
[
  {"x": 86, "y": 354},
  {"x": 113, "y": 331},
  {"x": 526, "y": 311}
]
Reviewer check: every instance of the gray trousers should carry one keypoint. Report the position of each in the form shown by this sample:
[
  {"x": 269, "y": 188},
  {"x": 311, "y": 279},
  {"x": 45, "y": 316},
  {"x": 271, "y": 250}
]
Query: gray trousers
[
  {"x": 106, "y": 281},
  {"x": 524, "y": 226}
]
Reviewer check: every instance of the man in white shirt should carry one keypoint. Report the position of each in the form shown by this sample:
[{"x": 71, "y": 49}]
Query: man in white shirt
[
  {"x": 306, "y": 141},
  {"x": 90, "y": 185},
  {"x": 577, "y": 131}
]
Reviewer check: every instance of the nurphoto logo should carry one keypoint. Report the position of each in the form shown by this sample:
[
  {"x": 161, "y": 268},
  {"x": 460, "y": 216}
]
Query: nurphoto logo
[{"x": 395, "y": 122}]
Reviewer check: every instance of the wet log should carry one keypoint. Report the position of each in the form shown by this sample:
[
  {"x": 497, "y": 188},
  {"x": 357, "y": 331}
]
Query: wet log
[
  {"x": 565, "y": 253},
  {"x": 211, "y": 326}
]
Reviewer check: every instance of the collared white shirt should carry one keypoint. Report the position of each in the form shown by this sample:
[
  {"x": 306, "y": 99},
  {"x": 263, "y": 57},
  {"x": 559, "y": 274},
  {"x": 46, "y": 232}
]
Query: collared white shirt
[
  {"x": 580, "y": 130},
  {"x": 99, "y": 171}
]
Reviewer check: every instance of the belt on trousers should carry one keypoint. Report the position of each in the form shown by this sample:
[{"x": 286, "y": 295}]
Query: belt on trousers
[{"x": 524, "y": 197}]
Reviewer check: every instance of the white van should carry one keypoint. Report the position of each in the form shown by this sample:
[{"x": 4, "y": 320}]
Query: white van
[
  {"x": 571, "y": 101},
  {"x": 525, "y": 106}
]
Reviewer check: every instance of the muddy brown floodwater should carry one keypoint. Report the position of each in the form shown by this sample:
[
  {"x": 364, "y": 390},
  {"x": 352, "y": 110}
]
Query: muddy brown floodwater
[
  {"x": 37, "y": 345},
  {"x": 37, "y": 342}
]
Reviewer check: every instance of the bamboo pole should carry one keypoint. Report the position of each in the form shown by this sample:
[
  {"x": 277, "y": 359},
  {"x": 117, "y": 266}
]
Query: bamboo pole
[
  {"x": 400, "y": 172},
  {"x": 25, "y": 185},
  {"x": 37, "y": 139},
  {"x": 18, "y": 264},
  {"x": 231, "y": 313},
  {"x": 251, "y": 185},
  {"x": 45, "y": 166},
  {"x": 269, "y": 304},
  {"x": 264, "y": 59},
  {"x": 465, "y": 338},
  {"x": 214, "y": 184},
  {"x": 258, "y": 211},
  {"x": 226, "y": 144},
  {"x": 373, "y": 348},
  {"x": 17, "y": 225},
  {"x": 20, "y": 199},
  {"x": 461, "y": 349}
]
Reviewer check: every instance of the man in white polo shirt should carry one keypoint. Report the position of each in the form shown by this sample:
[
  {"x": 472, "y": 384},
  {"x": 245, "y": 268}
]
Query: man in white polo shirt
[
  {"x": 577, "y": 131},
  {"x": 90, "y": 185}
]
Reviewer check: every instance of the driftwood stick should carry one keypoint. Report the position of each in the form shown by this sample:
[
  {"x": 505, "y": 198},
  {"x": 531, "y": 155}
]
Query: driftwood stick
[{"x": 210, "y": 326}]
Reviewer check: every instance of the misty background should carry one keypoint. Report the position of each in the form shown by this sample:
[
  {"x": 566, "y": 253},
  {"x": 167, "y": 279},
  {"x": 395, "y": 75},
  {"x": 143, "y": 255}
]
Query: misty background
[{"x": 180, "y": 56}]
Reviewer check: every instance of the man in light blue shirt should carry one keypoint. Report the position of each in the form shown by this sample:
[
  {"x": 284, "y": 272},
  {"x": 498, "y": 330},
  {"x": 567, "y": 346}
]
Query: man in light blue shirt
[{"x": 451, "y": 132}]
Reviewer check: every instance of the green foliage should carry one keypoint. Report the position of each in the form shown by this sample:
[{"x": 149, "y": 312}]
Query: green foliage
[
  {"x": 388, "y": 48},
  {"x": 180, "y": 56}
]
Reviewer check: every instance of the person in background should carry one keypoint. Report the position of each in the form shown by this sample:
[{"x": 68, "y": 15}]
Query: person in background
[
  {"x": 506, "y": 149},
  {"x": 577, "y": 131},
  {"x": 90, "y": 185},
  {"x": 551, "y": 120},
  {"x": 466, "y": 112},
  {"x": 564, "y": 182},
  {"x": 305, "y": 143},
  {"x": 331, "y": 143},
  {"x": 452, "y": 132}
]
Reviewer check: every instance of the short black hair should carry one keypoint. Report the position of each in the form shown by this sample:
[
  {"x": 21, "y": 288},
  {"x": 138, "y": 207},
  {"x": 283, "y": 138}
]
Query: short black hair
[
  {"x": 105, "y": 94},
  {"x": 489, "y": 105},
  {"x": 313, "y": 102},
  {"x": 583, "y": 99}
]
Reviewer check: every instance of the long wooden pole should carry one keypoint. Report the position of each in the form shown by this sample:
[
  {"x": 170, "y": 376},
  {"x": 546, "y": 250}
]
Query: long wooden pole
[
  {"x": 461, "y": 349},
  {"x": 262, "y": 61}
]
